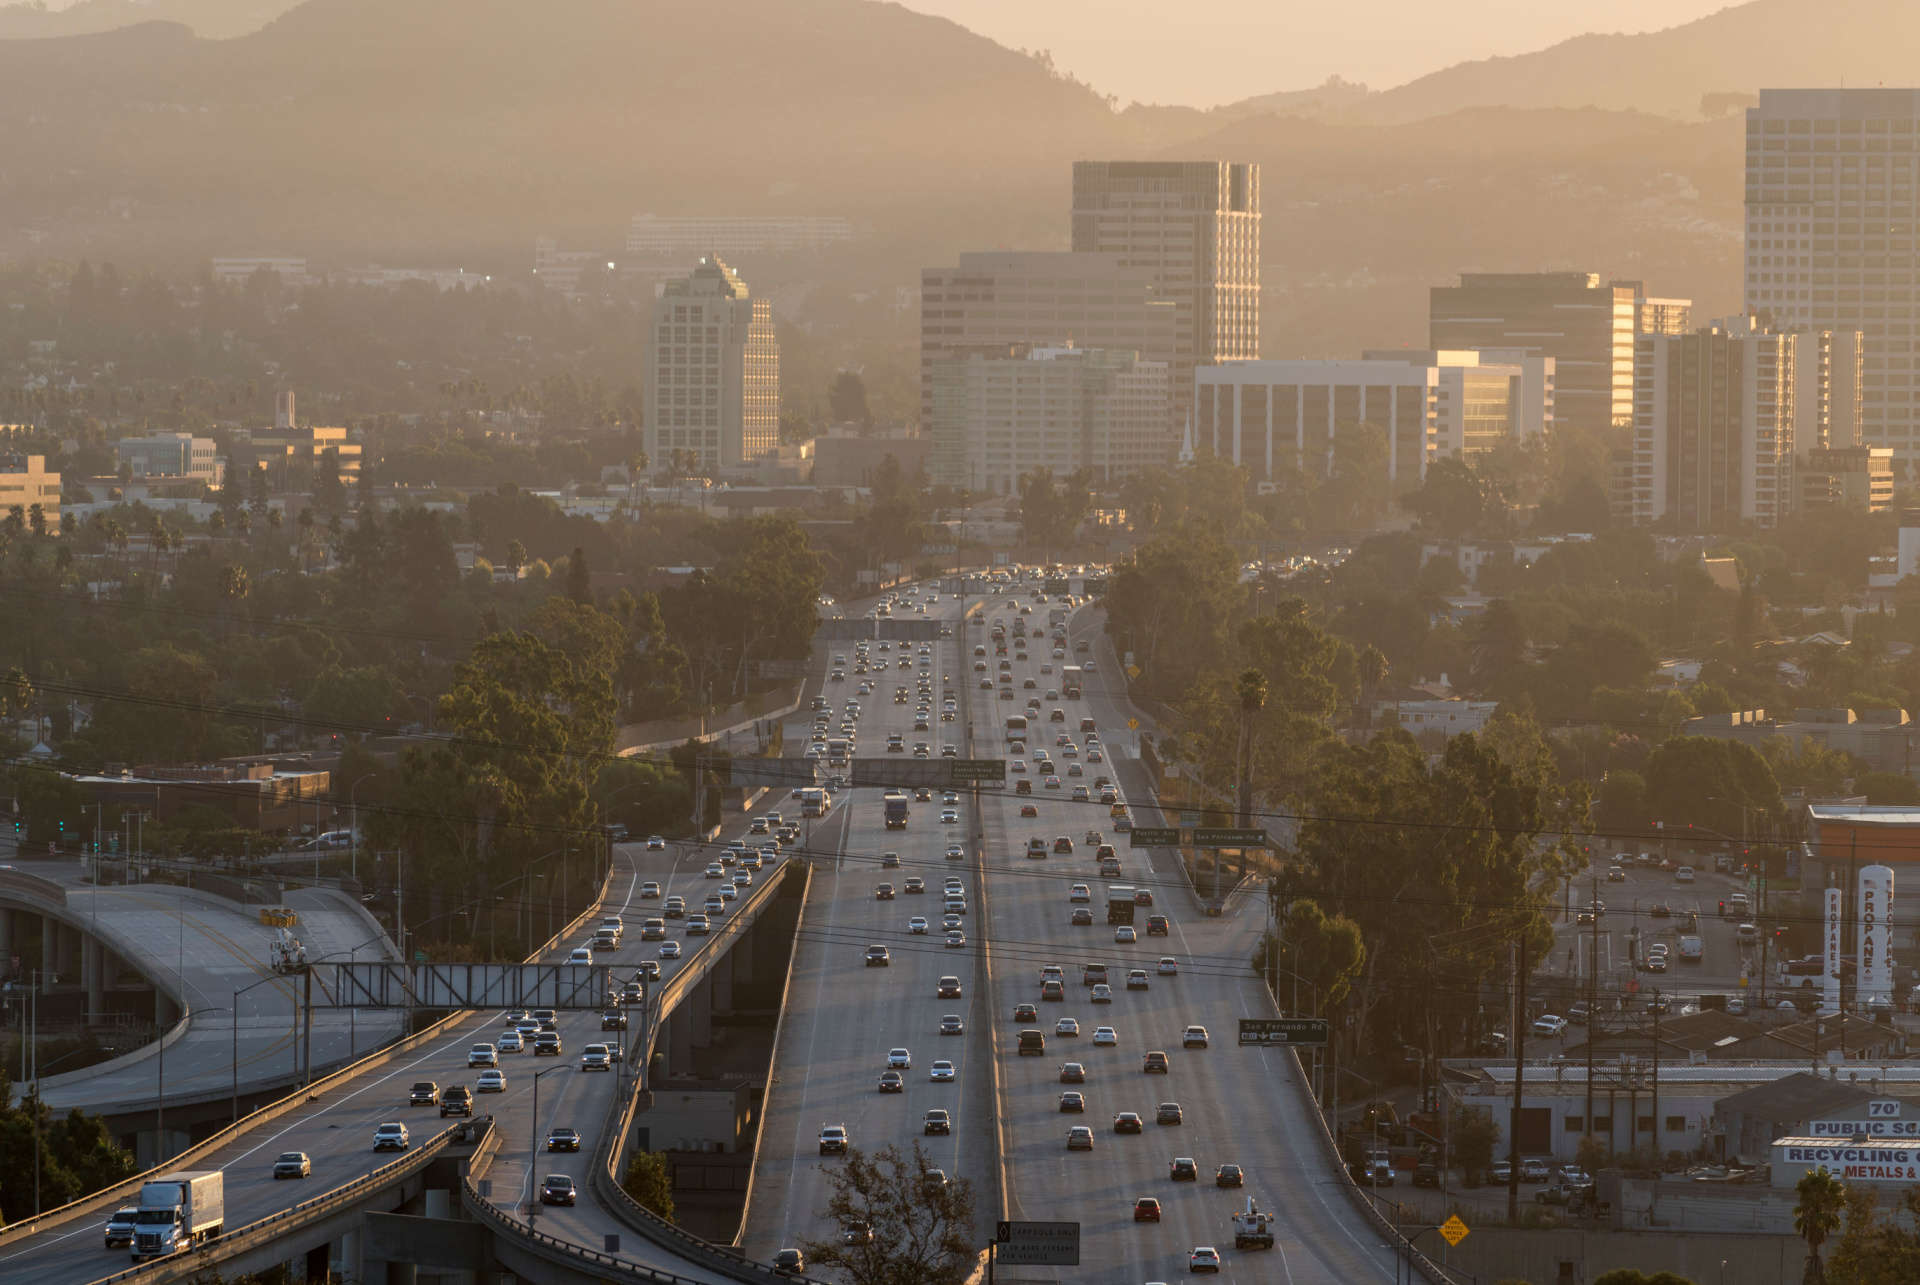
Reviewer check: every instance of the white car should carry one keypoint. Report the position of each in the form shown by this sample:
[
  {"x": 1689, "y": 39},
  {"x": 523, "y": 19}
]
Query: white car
[
  {"x": 1169, "y": 966},
  {"x": 949, "y": 817},
  {"x": 580, "y": 955},
  {"x": 917, "y": 924},
  {"x": 942, "y": 1070},
  {"x": 956, "y": 940},
  {"x": 510, "y": 1042},
  {"x": 669, "y": 950},
  {"x": 1549, "y": 1024},
  {"x": 491, "y": 1082},
  {"x": 1104, "y": 1037},
  {"x": 899, "y": 1060},
  {"x": 1125, "y": 934},
  {"x": 715, "y": 870},
  {"x": 650, "y": 891},
  {"x": 1080, "y": 893},
  {"x": 482, "y": 1055}
]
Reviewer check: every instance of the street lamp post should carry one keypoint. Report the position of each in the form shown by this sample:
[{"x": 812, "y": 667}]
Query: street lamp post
[{"x": 533, "y": 1144}]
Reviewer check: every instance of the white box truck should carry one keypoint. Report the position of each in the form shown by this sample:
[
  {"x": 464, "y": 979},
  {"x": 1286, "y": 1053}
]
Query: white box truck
[{"x": 177, "y": 1211}]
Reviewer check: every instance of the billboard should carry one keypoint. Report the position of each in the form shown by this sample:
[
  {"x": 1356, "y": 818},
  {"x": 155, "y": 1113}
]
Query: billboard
[
  {"x": 1876, "y": 933},
  {"x": 1830, "y": 978}
]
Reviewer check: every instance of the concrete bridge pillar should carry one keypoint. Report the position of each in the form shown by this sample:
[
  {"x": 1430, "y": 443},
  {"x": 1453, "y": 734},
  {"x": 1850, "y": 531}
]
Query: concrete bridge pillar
[
  {"x": 700, "y": 1013},
  {"x": 6, "y": 935},
  {"x": 439, "y": 1202},
  {"x": 680, "y": 1039},
  {"x": 49, "y": 952},
  {"x": 742, "y": 955},
  {"x": 93, "y": 964},
  {"x": 720, "y": 982},
  {"x": 349, "y": 1267},
  {"x": 70, "y": 940}
]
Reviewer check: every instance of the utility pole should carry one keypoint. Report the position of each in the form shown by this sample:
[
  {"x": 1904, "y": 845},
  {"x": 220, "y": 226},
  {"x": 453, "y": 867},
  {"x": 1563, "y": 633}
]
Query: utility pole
[
  {"x": 1593, "y": 999},
  {"x": 1519, "y": 1076},
  {"x": 1656, "y": 1077}
]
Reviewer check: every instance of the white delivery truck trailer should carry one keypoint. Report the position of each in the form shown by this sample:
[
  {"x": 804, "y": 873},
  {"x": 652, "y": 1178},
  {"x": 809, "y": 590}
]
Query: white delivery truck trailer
[{"x": 177, "y": 1211}]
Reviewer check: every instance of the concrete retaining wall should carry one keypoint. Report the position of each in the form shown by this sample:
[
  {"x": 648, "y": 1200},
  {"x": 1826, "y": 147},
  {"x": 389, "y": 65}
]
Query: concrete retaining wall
[{"x": 1502, "y": 1253}]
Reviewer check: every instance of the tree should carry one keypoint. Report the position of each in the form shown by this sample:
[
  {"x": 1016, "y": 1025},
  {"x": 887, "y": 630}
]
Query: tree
[
  {"x": 1169, "y": 604},
  {"x": 1821, "y": 1203},
  {"x": 1473, "y": 1138},
  {"x": 847, "y": 399},
  {"x": 649, "y": 1180},
  {"x": 1634, "y": 1276},
  {"x": 1326, "y": 952},
  {"x": 579, "y": 579},
  {"x": 1455, "y": 500},
  {"x": 922, "y": 1227}
]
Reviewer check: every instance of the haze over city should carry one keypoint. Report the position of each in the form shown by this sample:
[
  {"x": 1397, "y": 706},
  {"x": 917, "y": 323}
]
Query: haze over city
[{"x": 910, "y": 645}]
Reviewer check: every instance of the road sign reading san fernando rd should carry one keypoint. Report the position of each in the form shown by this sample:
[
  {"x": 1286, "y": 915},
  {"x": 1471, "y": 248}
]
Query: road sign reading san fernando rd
[
  {"x": 1260, "y": 1032},
  {"x": 1153, "y": 837},
  {"x": 1029, "y": 1244},
  {"x": 1217, "y": 838}
]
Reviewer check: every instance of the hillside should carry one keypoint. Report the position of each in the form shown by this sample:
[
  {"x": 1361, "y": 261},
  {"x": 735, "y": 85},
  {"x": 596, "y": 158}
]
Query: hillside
[
  {"x": 380, "y": 122},
  {"x": 215, "y": 19},
  {"x": 1774, "y": 44}
]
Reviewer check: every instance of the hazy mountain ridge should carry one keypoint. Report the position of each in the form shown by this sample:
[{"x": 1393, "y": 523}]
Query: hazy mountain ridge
[{"x": 214, "y": 19}]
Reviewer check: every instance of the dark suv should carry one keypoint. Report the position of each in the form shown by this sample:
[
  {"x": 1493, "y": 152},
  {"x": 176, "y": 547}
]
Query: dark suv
[{"x": 457, "y": 1100}]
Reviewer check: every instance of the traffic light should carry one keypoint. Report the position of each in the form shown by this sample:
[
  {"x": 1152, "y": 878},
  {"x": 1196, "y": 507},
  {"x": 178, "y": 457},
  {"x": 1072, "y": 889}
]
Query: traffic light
[{"x": 1723, "y": 908}]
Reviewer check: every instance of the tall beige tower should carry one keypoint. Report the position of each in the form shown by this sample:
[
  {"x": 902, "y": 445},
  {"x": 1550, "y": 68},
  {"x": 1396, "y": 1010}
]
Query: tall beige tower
[
  {"x": 1195, "y": 225},
  {"x": 713, "y": 371},
  {"x": 1832, "y": 212}
]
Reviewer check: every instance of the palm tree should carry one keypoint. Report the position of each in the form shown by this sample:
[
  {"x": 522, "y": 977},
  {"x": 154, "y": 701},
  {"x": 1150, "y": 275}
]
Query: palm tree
[{"x": 1822, "y": 1203}]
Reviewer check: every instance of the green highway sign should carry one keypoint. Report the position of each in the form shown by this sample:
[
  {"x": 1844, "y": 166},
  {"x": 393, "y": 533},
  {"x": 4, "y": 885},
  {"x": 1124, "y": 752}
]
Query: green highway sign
[
  {"x": 1258, "y": 1032},
  {"x": 1216, "y": 838},
  {"x": 1094, "y": 586},
  {"x": 1150, "y": 837},
  {"x": 967, "y": 771},
  {"x": 1055, "y": 584}
]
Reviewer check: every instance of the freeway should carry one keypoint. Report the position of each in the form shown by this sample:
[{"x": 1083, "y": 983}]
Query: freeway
[
  {"x": 1238, "y": 1106},
  {"x": 843, "y": 1017},
  {"x": 205, "y": 949},
  {"x": 335, "y": 1127}
]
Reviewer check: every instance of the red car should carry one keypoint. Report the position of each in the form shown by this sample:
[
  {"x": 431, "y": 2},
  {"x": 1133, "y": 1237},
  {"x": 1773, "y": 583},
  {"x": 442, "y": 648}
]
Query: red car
[
  {"x": 1146, "y": 1210},
  {"x": 1028, "y": 810}
]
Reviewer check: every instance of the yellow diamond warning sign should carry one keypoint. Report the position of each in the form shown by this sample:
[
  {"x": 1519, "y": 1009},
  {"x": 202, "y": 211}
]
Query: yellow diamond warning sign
[{"x": 1454, "y": 1230}]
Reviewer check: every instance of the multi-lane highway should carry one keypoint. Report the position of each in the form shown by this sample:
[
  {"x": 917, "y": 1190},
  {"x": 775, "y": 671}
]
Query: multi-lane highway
[
  {"x": 1237, "y": 1106},
  {"x": 336, "y": 1127},
  {"x": 845, "y": 1017}
]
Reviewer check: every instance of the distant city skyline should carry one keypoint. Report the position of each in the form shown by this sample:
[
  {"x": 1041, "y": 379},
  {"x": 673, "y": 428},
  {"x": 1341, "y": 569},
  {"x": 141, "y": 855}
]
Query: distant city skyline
[{"x": 1226, "y": 50}]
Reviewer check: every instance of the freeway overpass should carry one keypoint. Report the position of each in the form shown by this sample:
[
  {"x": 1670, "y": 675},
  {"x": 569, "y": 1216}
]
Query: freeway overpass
[{"x": 1244, "y": 1106}]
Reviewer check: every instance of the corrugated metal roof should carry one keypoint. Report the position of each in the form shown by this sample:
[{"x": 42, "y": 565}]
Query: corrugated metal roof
[{"x": 1864, "y": 814}]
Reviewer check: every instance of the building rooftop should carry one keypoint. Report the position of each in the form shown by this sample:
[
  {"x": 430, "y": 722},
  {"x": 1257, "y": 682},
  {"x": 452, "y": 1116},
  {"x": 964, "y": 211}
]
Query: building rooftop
[
  {"x": 1800, "y": 1096},
  {"x": 1864, "y": 813}
]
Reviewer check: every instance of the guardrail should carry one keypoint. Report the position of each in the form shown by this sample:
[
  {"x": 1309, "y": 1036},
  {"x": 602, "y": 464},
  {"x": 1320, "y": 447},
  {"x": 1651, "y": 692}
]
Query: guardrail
[
  {"x": 613, "y": 1140},
  {"x": 273, "y": 1110},
  {"x": 1330, "y": 1154},
  {"x": 192, "y": 1263},
  {"x": 484, "y": 1211},
  {"x": 779, "y": 1023}
]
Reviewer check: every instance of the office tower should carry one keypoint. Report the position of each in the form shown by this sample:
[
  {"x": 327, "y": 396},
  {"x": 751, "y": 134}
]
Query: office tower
[
  {"x": 1831, "y": 213},
  {"x": 1063, "y": 409},
  {"x": 1195, "y": 225},
  {"x": 1272, "y": 416},
  {"x": 1585, "y": 326},
  {"x": 997, "y": 303},
  {"x": 26, "y": 485},
  {"x": 685, "y": 237},
  {"x": 1714, "y": 414},
  {"x": 713, "y": 371}
]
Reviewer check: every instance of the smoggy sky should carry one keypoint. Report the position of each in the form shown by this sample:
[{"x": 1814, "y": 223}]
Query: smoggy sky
[{"x": 1202, "y": 53}]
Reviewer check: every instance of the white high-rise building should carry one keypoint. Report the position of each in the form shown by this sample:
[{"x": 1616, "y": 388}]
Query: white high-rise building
[
  {"x": 1832, "y": 211},
  {"x": 998, "y": 418},
  {"x": 1273, "y": 416},
  {"x": 713, "y": 371}
]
